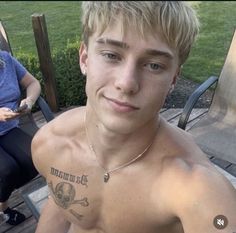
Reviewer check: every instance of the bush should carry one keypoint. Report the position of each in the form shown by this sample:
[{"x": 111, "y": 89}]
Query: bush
[{"x": 70, "y": 82}]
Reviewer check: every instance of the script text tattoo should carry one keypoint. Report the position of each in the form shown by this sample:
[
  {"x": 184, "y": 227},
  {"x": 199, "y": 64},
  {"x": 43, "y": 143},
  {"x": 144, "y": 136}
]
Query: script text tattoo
[{"x": 82, "y": 179}]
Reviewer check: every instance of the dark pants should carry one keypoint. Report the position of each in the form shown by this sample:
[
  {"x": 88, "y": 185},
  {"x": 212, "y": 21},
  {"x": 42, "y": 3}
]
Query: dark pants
[{"x": 16, "y": 166}]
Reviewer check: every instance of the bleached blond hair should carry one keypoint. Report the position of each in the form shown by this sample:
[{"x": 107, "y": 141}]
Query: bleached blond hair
[{"x": 175, "y": 21}]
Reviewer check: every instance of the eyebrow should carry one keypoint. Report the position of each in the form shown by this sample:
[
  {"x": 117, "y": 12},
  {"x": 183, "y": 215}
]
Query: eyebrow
[
  {"x": 159, "y": 53},
  {"x": 123, "y": 45},
  {"x": 116, "y": 43}
]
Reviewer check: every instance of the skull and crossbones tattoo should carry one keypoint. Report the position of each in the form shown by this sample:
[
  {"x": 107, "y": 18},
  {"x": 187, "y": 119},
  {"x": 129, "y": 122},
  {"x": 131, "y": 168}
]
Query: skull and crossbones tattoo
[{"x": 64, "y": 196}]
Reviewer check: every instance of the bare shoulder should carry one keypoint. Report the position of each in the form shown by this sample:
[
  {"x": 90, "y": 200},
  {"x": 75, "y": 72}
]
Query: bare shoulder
[
  {"x": 52, "y": 138},
  {"x": 197, "y": 193},
  {"x": 194, "y": 189},
  {"x": 207, "y": 194},
  {"x": 200, "y": 181},
  {"x": 187, "y": 162}
]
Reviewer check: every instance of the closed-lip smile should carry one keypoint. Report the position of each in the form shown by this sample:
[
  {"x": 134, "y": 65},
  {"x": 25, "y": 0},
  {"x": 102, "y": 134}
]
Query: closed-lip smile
[{"x": 122, "y": 106}]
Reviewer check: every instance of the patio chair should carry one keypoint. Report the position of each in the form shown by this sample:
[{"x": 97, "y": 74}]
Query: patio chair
[
  {"x": 27, "y": 122},
  {"x": 215, "y": 132}
]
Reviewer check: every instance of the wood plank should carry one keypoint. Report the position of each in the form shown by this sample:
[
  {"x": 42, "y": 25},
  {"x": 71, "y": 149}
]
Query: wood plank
[
  {"x": 15, "y": 199},
  {"x": 193, "y": 118},
  {"x": 28, "y": 226},
  {"x": 171, "y": 113},
  {"x": 23, "y": 209}
]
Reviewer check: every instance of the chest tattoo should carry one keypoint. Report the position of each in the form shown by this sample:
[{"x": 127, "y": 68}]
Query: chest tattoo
[
  {"x": 64, "y": 196},
  {"x": 83, "y": 179}
]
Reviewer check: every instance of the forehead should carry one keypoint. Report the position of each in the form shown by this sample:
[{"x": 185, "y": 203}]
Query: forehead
[{"x": 131, "y": 39}]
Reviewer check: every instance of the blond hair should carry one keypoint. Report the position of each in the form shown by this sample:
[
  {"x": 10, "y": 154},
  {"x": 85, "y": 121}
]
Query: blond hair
[{"x": 175, "y": 21}]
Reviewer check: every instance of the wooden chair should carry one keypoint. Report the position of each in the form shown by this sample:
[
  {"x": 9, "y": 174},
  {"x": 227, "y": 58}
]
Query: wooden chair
[
  {"x": 215, "y": 133},
  {"x": 27, "y": 122}
]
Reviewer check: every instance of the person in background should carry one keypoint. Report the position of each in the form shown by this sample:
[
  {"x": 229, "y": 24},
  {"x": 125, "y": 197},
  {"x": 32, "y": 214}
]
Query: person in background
[
  {"x": 16, "y": 167},
  {"x": 118, "y": 166}
]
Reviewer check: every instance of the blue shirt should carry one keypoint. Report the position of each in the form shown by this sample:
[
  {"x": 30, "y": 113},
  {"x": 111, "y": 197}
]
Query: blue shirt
[{"x": 11, "y": 73}]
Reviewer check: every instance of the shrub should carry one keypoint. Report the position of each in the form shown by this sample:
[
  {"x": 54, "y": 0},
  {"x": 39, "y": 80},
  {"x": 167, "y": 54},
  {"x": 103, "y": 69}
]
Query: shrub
[{"x": 70, "y": 82}]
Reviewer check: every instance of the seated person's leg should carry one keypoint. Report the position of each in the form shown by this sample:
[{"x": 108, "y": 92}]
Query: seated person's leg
[
  {"x": 18, "y": 144},
  {"x": 10, "y": 177}
]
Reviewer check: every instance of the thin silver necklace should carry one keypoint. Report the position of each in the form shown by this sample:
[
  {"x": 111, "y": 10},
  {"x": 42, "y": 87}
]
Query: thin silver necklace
[{"x": 107, "y": 173}]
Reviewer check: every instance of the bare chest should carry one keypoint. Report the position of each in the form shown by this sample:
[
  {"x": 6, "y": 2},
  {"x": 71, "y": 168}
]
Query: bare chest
[{"x": 122, "y": 205}]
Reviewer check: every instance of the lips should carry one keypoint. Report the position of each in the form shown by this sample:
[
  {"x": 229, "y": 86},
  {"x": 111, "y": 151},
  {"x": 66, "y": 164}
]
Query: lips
[{"x": 121, "y": 106}]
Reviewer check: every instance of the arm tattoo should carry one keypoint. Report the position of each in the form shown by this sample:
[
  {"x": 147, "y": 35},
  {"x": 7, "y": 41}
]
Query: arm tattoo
[{"x": 64, "y": 195}]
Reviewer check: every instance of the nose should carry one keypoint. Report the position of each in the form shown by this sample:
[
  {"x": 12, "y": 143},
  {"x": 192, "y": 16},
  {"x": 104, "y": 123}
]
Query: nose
[{"x": 127, "y": 80}]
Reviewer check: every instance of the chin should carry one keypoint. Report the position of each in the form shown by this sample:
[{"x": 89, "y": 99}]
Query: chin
[
  {"x": 121, "y": 130},
  {"x": 121, "y": 125}
]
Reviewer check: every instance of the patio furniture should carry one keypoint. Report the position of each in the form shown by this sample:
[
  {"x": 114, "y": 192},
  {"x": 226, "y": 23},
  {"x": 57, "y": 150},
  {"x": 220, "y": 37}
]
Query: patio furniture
[
  {"x": 4, "y": 42},
  {"x": 215, "y": 133}
]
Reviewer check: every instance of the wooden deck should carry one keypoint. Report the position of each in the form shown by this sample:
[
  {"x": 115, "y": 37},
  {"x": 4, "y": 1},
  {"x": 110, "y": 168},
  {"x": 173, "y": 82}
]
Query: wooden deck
[{"x": 172, "y": 115}]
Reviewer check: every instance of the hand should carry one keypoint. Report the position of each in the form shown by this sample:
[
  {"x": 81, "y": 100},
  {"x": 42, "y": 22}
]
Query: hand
[
  {"x": 28, "y": 101},
  {"x": 7, "y": 114}
]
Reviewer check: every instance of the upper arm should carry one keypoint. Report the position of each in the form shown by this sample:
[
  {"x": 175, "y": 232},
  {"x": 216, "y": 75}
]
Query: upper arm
[
  {"x": 208, "y": 195},
  {"x": 41, "y": 150},
  {"x": 27, "y": 80}
]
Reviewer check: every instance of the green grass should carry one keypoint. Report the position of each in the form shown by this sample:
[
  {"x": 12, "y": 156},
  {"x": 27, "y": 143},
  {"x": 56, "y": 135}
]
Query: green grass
[
  {"x": 62, "y": 19},
  {"x": 218, "y": 22}
]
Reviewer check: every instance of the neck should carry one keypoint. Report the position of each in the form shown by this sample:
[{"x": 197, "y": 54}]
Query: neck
[{"x": 114, "y": 148}]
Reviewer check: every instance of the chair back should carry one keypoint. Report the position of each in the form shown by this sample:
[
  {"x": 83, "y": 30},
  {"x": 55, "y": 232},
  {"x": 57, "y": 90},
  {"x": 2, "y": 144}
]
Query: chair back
[
  {"x": 223, "y": 105},
  {"x": 4, "y": 42},
  {"x": 215, "y": 133}
]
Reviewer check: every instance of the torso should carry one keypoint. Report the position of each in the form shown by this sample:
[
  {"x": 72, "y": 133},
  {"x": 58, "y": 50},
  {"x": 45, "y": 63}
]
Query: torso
[
  {"x": 9, "y": 88},
  {"x": 136, "y": 199}
]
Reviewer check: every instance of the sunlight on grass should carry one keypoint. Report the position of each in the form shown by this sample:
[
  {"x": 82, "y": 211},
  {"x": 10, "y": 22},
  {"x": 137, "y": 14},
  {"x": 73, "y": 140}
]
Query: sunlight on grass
[
  {"x": 218, "y": 22},
  {"x": 62, "y": 18}
]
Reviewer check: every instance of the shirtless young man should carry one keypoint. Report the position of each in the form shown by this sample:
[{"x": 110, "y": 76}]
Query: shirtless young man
[{"x": 115, "y": 166}]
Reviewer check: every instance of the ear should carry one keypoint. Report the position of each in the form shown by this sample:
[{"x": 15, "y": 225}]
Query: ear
[
  {"x": 177, "y": 74},
  {"x": 83, "y": 57}
]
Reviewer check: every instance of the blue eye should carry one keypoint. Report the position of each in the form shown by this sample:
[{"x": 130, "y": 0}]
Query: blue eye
[
  {"x": 110, "y": 56},
  {"x": 153, "y": 67}
]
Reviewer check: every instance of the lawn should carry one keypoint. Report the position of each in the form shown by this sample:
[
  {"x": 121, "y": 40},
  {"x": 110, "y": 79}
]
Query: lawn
[
  {"x": 62, "y": 19},
  {"x": 218, "y": 22}
]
